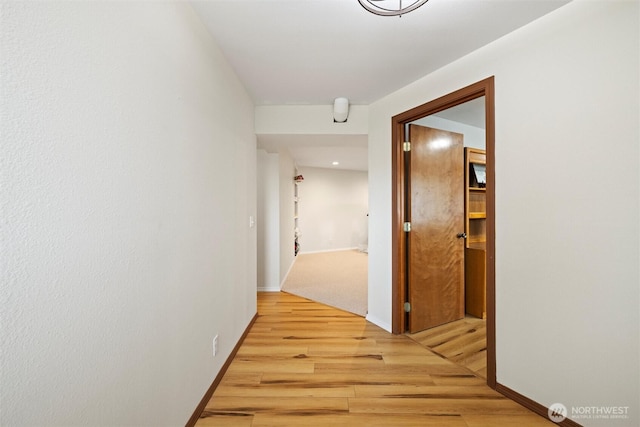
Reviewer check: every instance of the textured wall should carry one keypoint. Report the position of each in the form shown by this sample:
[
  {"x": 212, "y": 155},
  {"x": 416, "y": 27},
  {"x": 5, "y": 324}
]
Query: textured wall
[{"x": 128, "y": 177}]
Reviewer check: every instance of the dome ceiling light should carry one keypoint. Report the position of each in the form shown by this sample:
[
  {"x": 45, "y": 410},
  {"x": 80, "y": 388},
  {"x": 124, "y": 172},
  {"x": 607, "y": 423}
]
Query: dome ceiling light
[{"x": 391, "y": 7}]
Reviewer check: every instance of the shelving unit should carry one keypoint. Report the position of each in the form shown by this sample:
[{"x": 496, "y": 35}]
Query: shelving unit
[
  {"x": 475, "y": 208},
  {"x": 296, "y": 230}
]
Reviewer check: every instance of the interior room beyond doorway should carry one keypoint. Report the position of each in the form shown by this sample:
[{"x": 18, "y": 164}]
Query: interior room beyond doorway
[
  {"x": 331, "y": 230},
  {"x": 321, "y": 213},
  {"x": 463, "y": 341}
]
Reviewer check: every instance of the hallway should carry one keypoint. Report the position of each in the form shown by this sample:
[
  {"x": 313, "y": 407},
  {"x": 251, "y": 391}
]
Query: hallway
[{"x": 305, "y": 363}]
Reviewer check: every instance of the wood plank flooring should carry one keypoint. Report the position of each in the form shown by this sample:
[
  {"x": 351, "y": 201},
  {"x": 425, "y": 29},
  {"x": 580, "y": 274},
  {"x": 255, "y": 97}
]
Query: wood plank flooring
[
  {"x": 307, "y": 364},
  {"x": 463, "y": 342}
]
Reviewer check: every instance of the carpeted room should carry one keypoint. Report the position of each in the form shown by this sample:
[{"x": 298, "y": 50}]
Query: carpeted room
[
  {"x": 336, "y": 278},
  {"x": 331, "y": 208},
  {"x": 326, "y": 213}
]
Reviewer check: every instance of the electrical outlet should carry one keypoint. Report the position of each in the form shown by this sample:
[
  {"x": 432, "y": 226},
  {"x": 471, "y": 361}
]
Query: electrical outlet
[{"x": 215, "y": 345}]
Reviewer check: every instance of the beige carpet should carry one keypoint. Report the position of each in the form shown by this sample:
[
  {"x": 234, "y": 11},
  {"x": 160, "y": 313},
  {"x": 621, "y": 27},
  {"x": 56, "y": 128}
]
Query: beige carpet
[{"x": 338, "y": 279}]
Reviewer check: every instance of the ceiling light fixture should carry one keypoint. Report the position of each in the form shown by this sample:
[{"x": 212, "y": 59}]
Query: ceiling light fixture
[
  {"x": 391, "y": 7},
  {"x": 340, "y": 110},
  {"x": 335, "y": 163}
]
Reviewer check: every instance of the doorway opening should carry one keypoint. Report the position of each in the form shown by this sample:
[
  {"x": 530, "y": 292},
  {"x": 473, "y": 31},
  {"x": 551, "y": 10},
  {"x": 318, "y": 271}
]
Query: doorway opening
[
  {"x": 313, "y": 210},
  {"x": 401, "y": 256},
  {"x": 331, "y": 226}
]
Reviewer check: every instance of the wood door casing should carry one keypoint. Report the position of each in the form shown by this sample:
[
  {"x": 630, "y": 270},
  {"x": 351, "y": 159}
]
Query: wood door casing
[
  {"x": 483, "y": 88},
  {"x": 435, "y": 253}
]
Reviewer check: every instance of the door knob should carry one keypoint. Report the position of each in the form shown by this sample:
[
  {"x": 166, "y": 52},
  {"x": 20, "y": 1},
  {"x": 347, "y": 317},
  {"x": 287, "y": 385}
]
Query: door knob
[{"x": 461, "y": 235}]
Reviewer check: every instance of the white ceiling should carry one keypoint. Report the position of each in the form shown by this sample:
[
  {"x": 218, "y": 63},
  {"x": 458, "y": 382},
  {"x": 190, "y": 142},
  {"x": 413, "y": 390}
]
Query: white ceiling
[
  {"x": 311, "y": 51},
  {"x": 320, "y": 151}
]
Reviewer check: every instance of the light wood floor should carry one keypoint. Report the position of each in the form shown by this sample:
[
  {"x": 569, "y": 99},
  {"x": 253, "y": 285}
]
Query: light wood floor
[
  {"x": 307, "y": 364},
  {"x": 463, "y": 342}
]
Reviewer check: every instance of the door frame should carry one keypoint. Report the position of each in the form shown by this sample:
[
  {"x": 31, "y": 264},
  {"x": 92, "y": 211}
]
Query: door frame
[{"x": 399, "y": 254}]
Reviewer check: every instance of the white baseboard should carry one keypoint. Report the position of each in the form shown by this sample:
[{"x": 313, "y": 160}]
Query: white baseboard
[
  {"x": 329, "y": 250},
  {"x": 268, "y": 289},
  {"x": 378, "y": 322}
]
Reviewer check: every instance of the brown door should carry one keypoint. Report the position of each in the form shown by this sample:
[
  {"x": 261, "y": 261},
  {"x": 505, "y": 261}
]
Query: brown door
[{"x": 436, "y": 253}]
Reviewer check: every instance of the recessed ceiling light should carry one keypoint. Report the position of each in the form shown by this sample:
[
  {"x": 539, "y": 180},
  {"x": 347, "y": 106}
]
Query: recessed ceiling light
[{"x": 335, "y": 163}]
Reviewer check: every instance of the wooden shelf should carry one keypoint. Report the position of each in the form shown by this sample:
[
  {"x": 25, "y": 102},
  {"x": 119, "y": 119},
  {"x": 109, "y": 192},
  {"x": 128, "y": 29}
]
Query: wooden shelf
[
  {"x": 475, "y": 204},
  {"x": 477, "y": 215},
  {"x": 475, "y": 208},
  {"x": 475, "y": 155},
  {"x": 474, "y": 240},
  {"x": 478, "y": 245}
]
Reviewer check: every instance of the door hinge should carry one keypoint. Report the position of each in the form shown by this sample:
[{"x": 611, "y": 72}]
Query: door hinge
[
  {"x": 406, "y": 146},
  {"x": 407, "y": 227},
  {"x": 407, "y": 307}
]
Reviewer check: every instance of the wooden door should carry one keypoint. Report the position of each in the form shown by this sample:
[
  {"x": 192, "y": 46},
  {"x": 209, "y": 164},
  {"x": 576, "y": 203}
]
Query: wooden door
[{"x": 436, "y": 206}]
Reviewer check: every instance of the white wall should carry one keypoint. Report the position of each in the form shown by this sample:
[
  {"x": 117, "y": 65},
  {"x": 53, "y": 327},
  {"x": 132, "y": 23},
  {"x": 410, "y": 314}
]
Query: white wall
[
  {"x": 567, "y": 192},
  {"x": 275, "y": 218},
  {"x": 128, "y": 177},
  {"x": 268, "y": 221},
  {"x": 309, "y": 119},
  {"x": 333, "y": 209}
]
